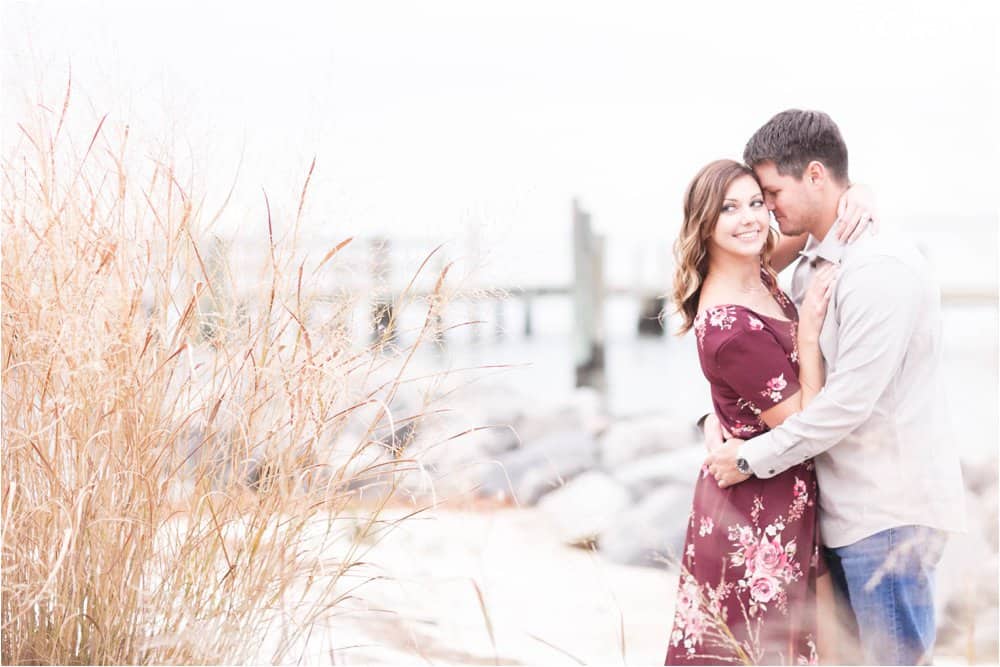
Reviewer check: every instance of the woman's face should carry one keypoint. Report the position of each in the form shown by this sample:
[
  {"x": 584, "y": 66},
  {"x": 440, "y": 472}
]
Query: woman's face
[{"x": 743, "y": 221}]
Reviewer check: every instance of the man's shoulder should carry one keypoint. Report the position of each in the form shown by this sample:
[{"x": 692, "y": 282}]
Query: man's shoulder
[
  {"x": 885, "y": 268},
  {"x": 875, "y": 248}
]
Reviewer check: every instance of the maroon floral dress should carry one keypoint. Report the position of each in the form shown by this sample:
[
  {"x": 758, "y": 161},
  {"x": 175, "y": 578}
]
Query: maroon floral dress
[{"x": 747, "y": 591}]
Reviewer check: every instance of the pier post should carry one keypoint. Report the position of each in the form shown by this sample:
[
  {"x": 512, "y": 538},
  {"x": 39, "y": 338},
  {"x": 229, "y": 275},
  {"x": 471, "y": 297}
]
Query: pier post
[
  {"x": 588, "y": 302},
  {"x": 650, "y": 323},
  {"x": 383, "y": 314},
  {"x": 528, "y": 325}
]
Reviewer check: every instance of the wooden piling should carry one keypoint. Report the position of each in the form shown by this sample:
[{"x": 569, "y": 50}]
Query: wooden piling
[
  {"x": 383, "y": 312},
  {"x": 650, "y": 323},
  {"x": 588, "y": 302}
]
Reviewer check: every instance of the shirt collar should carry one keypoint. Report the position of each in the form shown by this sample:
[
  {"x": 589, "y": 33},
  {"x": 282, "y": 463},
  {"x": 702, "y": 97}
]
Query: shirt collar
[{"x": 831, "y": 248}]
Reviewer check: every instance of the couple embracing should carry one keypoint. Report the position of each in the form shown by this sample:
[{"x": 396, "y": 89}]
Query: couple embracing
[{"x": 831, "y": 480}]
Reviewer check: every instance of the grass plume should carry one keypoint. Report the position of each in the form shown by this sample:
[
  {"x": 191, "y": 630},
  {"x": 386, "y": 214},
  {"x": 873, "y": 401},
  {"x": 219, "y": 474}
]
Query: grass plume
[{"x": 194, "y": 461}]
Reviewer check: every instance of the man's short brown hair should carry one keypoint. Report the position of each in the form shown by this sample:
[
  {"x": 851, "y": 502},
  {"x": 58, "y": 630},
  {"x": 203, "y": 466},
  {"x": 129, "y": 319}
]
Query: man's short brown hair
[{"x": 793, "y": 139}]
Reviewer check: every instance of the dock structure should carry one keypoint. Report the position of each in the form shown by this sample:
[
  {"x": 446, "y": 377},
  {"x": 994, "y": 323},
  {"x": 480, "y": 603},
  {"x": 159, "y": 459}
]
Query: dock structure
[{"x": 370, "y": 271}]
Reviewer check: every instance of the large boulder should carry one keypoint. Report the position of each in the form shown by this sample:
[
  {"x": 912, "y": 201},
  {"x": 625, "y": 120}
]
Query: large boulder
[
  {"x": 980, "y": 476},
  {"x": 629, "y": 440},
  {"x": 585, "y": 506},
  {"x": 541, "y": 466},
  {"x": 680, "y": 467},
  {"x": 967, "y": 580},
  {"x": 652, "y": 532}
]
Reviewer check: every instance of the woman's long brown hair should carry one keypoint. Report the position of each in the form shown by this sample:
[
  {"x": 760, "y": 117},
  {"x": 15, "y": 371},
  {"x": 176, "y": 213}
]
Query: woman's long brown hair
[{"x": 702, "y": 205}]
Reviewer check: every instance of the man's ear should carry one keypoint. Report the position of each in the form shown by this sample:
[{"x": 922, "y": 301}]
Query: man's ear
[{"x": 815, "y": 173}]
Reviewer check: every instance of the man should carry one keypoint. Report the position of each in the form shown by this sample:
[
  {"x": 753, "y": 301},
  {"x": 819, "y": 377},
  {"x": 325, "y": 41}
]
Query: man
[{"x": 890, "y": 483}]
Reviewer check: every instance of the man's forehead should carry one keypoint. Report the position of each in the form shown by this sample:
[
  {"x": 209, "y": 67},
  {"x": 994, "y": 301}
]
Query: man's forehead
[{"x": 766, "y": 173}]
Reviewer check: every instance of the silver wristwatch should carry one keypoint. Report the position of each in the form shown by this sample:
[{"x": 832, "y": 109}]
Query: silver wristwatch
[{"x": 743, "y": 466}]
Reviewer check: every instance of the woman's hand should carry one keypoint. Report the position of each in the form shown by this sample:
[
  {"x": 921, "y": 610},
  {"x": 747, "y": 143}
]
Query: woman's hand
[
  {"x": 855, "y": 213},
  {"x": 814, "y": 305},
  {"x": 715, "y": 433}
]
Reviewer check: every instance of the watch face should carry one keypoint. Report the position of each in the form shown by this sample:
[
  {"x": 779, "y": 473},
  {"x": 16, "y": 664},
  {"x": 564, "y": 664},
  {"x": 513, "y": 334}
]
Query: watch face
[{"x": 743, "y": 466}]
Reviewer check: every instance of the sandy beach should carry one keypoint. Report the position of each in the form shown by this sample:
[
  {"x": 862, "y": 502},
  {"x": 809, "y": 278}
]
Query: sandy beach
[{"x": 470, "y": 588}]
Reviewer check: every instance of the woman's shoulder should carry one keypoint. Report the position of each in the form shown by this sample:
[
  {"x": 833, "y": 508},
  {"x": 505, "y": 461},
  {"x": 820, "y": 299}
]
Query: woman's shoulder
[{"x": 717, "y": 324}]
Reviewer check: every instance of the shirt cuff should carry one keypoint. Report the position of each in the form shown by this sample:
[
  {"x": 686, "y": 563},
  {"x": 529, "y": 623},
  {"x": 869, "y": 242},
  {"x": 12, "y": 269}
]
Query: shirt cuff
[{"x": 760, "y": 454}]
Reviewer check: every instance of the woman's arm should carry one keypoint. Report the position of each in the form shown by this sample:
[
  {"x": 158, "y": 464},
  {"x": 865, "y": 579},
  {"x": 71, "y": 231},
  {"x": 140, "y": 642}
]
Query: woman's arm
[
  {"x": 855, "y": 214},
  {"x": 812, "y": 373}
]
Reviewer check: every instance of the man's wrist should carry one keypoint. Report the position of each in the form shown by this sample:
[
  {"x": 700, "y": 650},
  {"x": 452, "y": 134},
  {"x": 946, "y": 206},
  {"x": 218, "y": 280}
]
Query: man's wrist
[
  {"x": 757, "y": 454},
  {"x": 742, "y": 465}
]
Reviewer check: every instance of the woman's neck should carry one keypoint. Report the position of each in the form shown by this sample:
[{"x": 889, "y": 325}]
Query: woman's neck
[{"x": 736, "y": 273}]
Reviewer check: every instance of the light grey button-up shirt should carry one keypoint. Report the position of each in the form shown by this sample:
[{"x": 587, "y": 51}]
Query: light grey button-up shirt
[{"x": 879, "y": 429}]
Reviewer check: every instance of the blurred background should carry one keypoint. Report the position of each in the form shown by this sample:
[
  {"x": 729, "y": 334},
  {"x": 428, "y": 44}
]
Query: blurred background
[{"x": 547, "y": 146}]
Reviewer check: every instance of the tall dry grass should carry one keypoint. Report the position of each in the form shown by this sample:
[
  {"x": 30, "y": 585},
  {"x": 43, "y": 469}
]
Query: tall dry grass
[{"x": 189, "y": 447}]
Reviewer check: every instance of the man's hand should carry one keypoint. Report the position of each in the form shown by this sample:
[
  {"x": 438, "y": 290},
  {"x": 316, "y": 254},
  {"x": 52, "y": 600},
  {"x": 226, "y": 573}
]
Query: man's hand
[{"x": 721, "y": 463}]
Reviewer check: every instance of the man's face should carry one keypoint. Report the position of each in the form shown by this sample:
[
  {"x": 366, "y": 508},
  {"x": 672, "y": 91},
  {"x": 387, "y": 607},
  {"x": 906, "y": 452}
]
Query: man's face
[{"x": 793, "y": 203}]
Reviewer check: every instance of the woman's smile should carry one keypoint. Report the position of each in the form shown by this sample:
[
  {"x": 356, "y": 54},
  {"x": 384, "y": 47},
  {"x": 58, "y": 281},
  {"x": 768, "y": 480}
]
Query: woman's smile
[{"x": 749, "y": 235}]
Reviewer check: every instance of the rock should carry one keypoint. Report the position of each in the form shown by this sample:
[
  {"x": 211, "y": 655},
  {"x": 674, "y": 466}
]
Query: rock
[
  {"x": 626, "y": 441},
  {"x": 680, "y": 467},
  {"x": 980, "y": 476},
  {"x": 451, "y": 459},
  {"x": 969, "y": 635},
  {"x": 652, "y": 532},
  {"x": 532, "y": 471},
  {"x": 538, "y": 422},
  {"x": 583, "y": 409},
  {"x": 985, "y": 643},
  {"x": 585, "y": 506},
  {"x": 966, "y": 583}
]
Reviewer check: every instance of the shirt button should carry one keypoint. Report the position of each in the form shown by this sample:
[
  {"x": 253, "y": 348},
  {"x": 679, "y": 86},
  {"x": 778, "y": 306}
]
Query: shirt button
[{"x": 771, "y": 471}]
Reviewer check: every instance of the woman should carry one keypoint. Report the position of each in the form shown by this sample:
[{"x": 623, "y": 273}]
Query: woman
[{"x": 751, "y": 565}]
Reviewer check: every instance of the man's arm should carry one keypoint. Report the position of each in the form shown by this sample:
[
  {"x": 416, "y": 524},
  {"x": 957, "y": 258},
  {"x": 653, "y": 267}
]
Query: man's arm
[{"x": 877, "y": 305}]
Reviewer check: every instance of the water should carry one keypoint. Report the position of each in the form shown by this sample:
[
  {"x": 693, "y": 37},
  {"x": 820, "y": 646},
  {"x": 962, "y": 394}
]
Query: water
[{"x": 663, "y": 376}]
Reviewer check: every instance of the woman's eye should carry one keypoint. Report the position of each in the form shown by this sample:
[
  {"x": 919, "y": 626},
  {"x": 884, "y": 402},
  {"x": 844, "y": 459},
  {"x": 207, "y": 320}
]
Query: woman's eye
[
  {"x": 728, "y": 208},
  {"x": 757, "y": 203}
]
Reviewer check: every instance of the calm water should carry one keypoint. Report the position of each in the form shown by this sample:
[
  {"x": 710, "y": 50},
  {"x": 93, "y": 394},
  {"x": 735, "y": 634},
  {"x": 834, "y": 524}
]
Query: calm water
[{"x": 662, "y": 375}]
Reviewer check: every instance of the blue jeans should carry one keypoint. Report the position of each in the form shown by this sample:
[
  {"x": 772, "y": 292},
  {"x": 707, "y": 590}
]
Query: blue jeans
[{"x": 888, "y": 580}]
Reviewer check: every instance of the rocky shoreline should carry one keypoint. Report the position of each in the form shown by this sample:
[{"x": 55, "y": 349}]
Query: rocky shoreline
[{"x": 623, "y": 487}]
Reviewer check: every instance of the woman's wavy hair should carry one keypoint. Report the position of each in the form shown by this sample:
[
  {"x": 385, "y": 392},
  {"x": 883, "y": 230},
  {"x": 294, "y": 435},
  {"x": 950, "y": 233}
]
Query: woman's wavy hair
[{"x": 702, "y": 206}]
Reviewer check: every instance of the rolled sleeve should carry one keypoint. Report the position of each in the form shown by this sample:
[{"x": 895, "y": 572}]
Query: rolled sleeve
[{"x": 877, "y": 304}]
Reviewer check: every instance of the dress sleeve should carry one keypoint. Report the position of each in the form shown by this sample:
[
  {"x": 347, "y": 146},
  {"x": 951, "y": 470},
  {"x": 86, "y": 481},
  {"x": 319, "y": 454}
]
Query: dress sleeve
[{"x": 756, "y": 367}]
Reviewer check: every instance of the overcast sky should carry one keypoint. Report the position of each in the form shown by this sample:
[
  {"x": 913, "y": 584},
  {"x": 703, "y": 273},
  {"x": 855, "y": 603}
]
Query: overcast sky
[{"x": 444, "y": 115}]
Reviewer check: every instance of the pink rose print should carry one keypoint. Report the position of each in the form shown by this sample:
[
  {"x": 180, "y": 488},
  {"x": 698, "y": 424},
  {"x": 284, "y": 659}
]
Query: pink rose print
[
  {"x": 770, "y": 558},
  {"x": 800, "y": 501},
  {"x": 696, "y": 627},
  {"x": 755, "y": 324},
  {"x": 763, "y": 589},
  {"x": 722, "y": 317},
  {"x": 774, "y": 388},
  {"x": 690, "y": 623},
  {"x": 706, "y": 526},
  {"x": 747, "y": 405}
]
